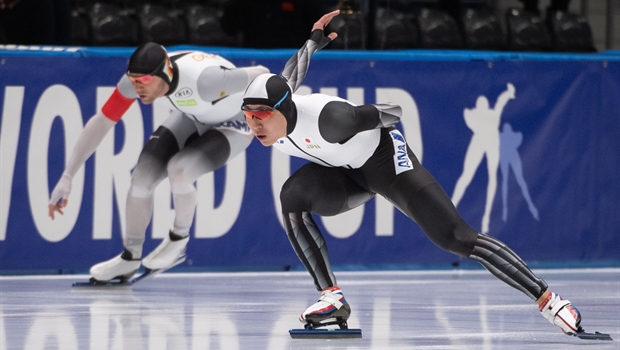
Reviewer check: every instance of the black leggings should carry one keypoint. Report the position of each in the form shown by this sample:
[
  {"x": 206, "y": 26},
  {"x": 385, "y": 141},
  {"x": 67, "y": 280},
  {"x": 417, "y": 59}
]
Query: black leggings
[{"x": 330, "y": 191}]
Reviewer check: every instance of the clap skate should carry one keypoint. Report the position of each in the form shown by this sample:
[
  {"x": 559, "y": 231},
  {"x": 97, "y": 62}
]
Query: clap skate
[
  {"x": 331, "y": 309},
  {"x": 117, "y": 272},
  {"x": 563, "y": 314},
  {"x": 120, "y": 268},
  {"x": 169, "y": 251}
]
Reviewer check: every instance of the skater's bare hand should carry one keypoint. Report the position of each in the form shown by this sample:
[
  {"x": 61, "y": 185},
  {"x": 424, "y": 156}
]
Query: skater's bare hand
[
  {"x": 57, "y": 208},
  {"x": 324, "y": 21},
  {"x": 60, "y": 195}
]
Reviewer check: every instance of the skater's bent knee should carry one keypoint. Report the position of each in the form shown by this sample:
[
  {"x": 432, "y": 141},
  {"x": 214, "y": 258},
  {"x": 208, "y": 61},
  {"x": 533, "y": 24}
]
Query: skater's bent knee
[
  {"x": 293, "y": 196},
  {"x": 180, "y": 181},
  {"x": 461, "y": 242},
  {"x": 140, "y": 190}
]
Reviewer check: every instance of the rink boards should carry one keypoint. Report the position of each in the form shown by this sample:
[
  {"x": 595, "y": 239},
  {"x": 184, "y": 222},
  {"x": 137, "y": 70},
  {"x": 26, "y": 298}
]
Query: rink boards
[{"x": 555, "y": 198}]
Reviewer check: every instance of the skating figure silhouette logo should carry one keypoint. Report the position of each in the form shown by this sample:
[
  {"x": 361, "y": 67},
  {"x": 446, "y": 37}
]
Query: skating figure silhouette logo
[
  {"x": 487, "y": 141},
  {"x": 509, "y": 159}
]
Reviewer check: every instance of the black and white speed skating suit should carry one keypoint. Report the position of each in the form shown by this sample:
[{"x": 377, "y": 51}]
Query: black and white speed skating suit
[
  {"x": 356, "y": 152},
  {"x": 351, "y": 161}
]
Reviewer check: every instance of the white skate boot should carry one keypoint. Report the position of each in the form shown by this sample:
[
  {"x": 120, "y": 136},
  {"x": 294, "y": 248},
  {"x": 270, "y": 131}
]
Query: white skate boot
[
  {"x": 332, "y": 308},
  {"x": 561, "y": 313},
  {"x": 166, "y": 254},
  {"x": 121, "y": 267}
]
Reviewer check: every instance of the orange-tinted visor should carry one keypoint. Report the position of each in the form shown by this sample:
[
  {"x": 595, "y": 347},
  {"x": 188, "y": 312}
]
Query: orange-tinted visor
[
  {"x": 144, "y": 79},
  {"x": 262, "y": 113}
]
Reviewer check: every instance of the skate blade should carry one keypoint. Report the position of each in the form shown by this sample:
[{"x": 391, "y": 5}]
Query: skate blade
[
  {"x": 325, "y": 333},
  {"x": 147, "y": 274},
  {"x": 99, "y": 284},
  {"x": 593, "y": 336}
]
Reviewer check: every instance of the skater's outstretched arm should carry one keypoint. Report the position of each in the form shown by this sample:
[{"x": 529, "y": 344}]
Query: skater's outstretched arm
[
  {"x": 297, "y": 66},
  {"x": 503, "y": 98},
  {"x": 215, "y": 79},
  {"x": 90, "y": 138},
  {"x": 95, "y": 130}
]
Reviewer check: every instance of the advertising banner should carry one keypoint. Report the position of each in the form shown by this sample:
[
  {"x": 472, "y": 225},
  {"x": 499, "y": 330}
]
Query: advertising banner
[{"x": 526, "y": 147}]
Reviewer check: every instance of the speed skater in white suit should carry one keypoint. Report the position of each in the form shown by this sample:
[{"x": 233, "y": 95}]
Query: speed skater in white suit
[
  {"x": 355, "y": 152},
  {"x": 204, "y": 130}
]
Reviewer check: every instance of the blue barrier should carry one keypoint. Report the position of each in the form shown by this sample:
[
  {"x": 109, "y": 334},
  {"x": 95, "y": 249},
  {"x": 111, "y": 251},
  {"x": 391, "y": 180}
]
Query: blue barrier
[{"x": 555, "y": 198}]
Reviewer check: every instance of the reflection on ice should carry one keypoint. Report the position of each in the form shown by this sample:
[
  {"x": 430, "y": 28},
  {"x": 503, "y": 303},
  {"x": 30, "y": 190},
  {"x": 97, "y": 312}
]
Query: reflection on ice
[
  {"x": 421, "y": 310},
  {"x": 51, "y": 327}
]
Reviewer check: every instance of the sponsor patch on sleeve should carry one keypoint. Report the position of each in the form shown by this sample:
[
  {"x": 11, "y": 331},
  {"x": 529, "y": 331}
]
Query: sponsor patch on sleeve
[{"x": 402, "y": 162}]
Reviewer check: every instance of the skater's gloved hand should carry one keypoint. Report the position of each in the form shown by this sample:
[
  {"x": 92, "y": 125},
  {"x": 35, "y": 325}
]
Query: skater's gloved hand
[
  {"x": 317, "y": 30},
  {"x": 61, "y": 191}
]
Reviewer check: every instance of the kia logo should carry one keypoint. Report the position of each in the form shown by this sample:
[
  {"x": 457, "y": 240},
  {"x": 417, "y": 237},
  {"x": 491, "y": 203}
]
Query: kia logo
[{"x": 183, "y": 93}]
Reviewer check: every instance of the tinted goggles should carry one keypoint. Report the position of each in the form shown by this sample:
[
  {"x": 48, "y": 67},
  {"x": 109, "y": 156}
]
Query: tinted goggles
[
  {"x": 263, "y": 113},
  {"x": 147, "y": 78},
  {"x": 144, "y": 79}
]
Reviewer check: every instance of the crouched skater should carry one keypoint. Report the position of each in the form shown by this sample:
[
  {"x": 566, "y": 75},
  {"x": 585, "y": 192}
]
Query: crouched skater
[
  {"x": 203, "y": 131},
  {"x": 354, "y": 159}
]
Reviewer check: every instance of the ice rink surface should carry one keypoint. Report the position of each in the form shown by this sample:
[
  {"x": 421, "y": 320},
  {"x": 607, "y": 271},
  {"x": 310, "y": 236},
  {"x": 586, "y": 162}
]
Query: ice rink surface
[{"x": 229, "y": 311}]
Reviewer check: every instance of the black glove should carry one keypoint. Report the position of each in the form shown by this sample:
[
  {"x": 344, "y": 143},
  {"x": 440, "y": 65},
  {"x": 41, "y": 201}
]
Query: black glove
[{"x": 318, "y": 36}]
